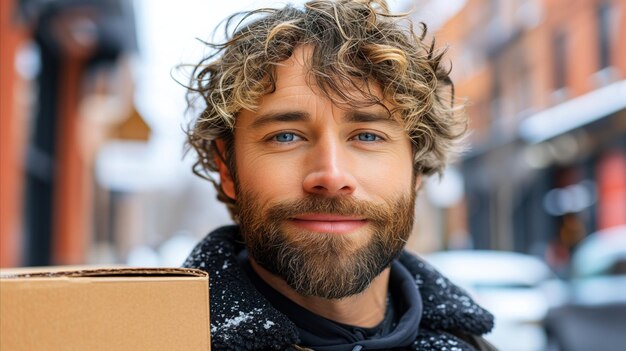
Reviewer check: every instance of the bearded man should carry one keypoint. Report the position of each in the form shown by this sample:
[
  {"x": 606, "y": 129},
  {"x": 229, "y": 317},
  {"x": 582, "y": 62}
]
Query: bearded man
[{"x": 321, "y": 122}]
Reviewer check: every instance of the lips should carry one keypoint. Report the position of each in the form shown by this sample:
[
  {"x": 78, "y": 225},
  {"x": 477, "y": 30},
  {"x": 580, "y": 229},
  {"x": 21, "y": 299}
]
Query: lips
[{"x": 328, "y": 223}]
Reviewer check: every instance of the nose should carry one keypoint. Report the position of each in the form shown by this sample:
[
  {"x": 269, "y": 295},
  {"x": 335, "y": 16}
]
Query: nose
[{"x": 329, "y": 170}]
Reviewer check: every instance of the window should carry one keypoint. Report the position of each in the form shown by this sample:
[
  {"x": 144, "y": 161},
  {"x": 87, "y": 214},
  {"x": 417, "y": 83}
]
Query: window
[
  {"x": 603, "y": 14},
  {"x": 523, "y": 83},
  {"x": 559, "y": 64}
]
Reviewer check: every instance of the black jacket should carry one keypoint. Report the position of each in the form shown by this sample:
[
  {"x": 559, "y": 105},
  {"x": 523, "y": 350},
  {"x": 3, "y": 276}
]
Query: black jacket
[{"x": 242, "y": 319}]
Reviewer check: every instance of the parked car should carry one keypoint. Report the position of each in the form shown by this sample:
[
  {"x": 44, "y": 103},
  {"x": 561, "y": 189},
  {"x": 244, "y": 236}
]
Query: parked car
[
  {"x": 595, "y": 316},
  {"x": 518, "y": 289},
  {"x": 599, "y": 268}
]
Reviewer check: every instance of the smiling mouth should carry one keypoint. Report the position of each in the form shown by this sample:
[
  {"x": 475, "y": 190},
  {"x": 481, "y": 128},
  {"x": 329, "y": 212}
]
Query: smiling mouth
[{"x": 328, "y": 223}]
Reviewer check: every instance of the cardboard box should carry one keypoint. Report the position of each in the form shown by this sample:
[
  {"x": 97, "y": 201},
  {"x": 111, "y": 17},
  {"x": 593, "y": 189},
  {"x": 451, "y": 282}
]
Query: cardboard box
[{"x": 104, "y": 309}]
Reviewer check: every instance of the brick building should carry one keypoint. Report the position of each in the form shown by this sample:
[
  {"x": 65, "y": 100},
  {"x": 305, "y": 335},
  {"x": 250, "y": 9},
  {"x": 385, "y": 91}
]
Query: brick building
[{"x": 546, "y": 91}]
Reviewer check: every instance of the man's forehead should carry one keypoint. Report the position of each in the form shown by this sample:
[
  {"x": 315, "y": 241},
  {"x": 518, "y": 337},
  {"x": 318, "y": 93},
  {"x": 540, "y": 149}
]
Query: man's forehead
[{"x": 297, "y": 70}]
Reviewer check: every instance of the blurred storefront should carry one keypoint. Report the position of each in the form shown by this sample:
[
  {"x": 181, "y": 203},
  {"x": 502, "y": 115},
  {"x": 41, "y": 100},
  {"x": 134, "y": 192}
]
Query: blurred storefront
[
  {"x": 67, "y": 88},
  {"x": 92, "y": 133},
  {"x": 545, "y": 82}
]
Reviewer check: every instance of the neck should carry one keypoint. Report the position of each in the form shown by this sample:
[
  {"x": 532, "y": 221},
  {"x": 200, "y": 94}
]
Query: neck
[{"x": 347, "y": 310}]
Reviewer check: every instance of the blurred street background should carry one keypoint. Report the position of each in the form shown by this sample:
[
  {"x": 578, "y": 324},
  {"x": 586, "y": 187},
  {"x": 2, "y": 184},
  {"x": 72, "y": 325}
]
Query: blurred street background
[{"x": 92, "y": 167}]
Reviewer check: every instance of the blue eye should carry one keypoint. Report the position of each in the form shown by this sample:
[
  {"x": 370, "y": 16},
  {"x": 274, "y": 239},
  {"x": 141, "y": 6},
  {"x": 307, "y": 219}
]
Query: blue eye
[
  {"x": 284, "y": 137},
  {"x": 367, "y": 137}
]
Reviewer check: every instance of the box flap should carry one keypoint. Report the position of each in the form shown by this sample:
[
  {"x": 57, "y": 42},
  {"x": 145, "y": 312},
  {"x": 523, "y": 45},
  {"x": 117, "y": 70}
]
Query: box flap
[{"x": 48, "y": 272}]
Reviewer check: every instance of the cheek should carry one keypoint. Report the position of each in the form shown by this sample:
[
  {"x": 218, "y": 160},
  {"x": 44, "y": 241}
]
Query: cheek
[
  {"x": 385, "y": 179},
  {"x": 269, "y": 176},
  {"x": 390, "y": 173}
]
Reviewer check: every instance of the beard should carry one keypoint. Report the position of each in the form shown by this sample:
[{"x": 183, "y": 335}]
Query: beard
[{"x": 330, "y": 266}]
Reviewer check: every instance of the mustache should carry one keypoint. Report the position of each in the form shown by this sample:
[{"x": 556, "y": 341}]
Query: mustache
[{"x": 344, "y": 206}]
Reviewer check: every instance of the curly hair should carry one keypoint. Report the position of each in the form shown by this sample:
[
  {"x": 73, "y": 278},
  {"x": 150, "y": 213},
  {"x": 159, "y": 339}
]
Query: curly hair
[{"x": 354, "y": 41}]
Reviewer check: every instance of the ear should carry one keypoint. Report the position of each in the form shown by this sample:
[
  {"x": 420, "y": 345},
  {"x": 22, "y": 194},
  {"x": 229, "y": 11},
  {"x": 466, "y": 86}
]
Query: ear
[
  {"x": 226, "y": 179},
  {"x": 418, "y": 182}
]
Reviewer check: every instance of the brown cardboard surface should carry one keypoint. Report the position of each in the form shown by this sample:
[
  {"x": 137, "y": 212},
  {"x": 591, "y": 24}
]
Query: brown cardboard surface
[{"x": 104, "y": 309}]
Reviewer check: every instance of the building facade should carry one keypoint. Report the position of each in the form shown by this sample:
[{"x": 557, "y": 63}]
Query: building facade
[{"x": 545, "y": 86}]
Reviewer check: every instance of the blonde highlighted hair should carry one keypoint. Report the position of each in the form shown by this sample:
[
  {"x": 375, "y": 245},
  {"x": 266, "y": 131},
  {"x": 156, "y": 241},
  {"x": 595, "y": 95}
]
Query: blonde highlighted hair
[{"x": 353, "y": 42}]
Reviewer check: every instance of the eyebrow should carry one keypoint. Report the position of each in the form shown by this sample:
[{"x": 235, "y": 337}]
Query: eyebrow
[
  {"x": 269, "y": 118},
  {"x": 364, "y": 117}
]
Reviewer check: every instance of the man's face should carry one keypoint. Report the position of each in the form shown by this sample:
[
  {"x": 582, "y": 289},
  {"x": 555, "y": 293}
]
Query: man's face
[{"x": 326, "y": 193}]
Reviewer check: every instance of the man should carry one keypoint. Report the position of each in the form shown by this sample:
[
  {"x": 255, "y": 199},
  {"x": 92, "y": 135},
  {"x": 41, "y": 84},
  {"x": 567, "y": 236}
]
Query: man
[{"x": 321, "y": 122}]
